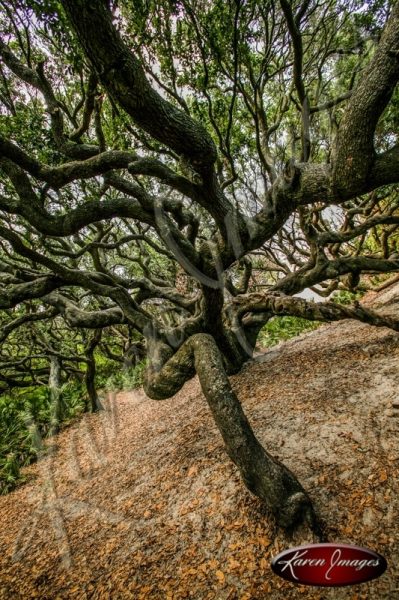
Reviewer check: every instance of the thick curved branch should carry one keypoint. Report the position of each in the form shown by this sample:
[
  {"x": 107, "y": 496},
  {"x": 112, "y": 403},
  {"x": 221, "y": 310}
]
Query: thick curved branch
[
  {"x": 31, "y": 317},
  {"x": 14, "y": 294},
  {"x": 151, "y": 166},
  {"x": 331, "y": 269},
  {"x": 310, "y": 183},
  {"x": 76, "y": 317},
  {"x": 59, "y": 176},
  {"x": 299, "y": 307},
  {"x": 30, "y": 207},
  {"x": 354, "y": 152},
  {"x": 77, "y": 218},
  {"x": 122, "y": 75}
]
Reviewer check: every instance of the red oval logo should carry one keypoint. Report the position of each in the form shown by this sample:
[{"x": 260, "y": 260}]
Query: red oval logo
[{"x": 329, "y": 565}]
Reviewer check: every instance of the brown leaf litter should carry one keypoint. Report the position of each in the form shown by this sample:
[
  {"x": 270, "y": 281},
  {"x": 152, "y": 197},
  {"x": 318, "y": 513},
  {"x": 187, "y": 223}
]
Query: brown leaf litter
[{"x": 141, "y": 501}]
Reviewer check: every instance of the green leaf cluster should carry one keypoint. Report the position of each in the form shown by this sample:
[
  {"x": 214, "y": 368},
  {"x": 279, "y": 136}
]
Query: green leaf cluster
[
  {"x": 24, "y": 422},
  {"x": 279, "y": 329}
]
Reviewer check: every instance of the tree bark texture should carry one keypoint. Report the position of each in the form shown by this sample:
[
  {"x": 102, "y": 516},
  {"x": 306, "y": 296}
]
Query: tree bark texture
[
  {"x": 55, "y": 394},
  {"x": 93, "y": 403}
]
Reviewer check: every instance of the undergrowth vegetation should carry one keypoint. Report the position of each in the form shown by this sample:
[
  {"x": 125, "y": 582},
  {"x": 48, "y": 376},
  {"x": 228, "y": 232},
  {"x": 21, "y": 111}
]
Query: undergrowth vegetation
[
  {"x": 279, "y": 329},
  {"x": 127, "y": 379},
  {"x": 25, "y": 418}
]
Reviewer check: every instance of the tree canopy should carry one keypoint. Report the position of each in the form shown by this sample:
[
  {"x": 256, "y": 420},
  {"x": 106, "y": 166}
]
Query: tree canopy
[{"x": 176, "y": 172}]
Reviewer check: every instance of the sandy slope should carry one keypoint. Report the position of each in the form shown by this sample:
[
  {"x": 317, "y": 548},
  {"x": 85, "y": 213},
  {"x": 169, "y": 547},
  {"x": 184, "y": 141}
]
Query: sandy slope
[{"x": 142, "y": 502}]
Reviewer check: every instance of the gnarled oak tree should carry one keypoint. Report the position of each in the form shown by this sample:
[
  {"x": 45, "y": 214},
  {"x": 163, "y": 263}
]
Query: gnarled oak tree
[{"x": 185, "y": 168}]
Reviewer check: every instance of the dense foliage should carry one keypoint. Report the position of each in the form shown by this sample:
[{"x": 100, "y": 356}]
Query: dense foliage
[
  {"x": 24, "y": 422},
  {"x": 26, "y": 417}
]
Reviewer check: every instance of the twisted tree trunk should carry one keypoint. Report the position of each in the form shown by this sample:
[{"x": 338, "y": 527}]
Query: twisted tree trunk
[
  {"x": 93, "y": 403},
  {"x": 56, "y": 403},
  {"x": 263, "y": 475}
]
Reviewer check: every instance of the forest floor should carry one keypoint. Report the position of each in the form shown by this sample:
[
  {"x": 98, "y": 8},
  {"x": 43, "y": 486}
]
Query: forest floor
[{"x": 142, "y": 502}]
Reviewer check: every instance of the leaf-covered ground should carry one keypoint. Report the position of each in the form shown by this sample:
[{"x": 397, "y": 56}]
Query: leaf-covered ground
[{"x": 142, "y": 502}]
